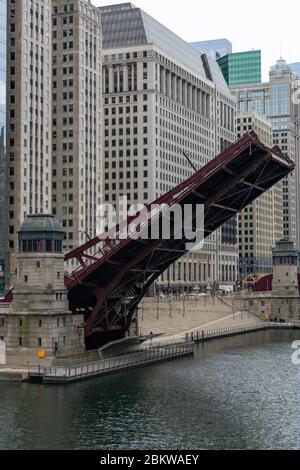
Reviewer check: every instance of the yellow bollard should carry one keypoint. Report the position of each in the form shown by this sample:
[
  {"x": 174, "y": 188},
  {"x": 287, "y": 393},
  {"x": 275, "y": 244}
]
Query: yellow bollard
[{"x": 266, "y": 317}]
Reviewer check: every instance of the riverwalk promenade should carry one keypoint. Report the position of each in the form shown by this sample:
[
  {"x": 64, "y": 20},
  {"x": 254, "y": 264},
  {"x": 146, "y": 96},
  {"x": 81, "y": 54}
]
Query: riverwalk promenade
[
  {"x": 152, "y": 349},
  {"x": 147, "y": 355}
]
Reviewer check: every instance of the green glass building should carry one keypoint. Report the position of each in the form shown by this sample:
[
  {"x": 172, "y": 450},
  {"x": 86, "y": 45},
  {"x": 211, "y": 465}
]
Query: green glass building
[{"x": 241, "y": 68}]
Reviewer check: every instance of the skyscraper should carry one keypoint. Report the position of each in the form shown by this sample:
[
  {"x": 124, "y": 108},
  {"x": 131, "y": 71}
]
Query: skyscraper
[
  {"x": 261, "y": 223},
  {"x": 76, "y": 118},
  {"x": 28, "y": 115},
  {"x": 54, "y": 116},
  {"x": 161, "y": 97},
  {"x": 241, "y": 68},
  {"x": 275, "y": 100},
  {"x": 215, "y": 48},
  {"x": 3, "y": 53}
]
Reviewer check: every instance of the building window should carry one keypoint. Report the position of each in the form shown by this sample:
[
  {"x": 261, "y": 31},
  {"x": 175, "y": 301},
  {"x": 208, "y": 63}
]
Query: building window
[{"x": 48, "y": 246}]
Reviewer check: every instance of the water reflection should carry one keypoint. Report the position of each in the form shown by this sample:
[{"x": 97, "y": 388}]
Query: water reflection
[{"x": 238, "y": 393}]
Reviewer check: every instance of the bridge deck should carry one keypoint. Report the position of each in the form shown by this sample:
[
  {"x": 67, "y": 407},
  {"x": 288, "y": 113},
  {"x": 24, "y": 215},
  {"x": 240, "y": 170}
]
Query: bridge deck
[{"x": 110, "y": 283}]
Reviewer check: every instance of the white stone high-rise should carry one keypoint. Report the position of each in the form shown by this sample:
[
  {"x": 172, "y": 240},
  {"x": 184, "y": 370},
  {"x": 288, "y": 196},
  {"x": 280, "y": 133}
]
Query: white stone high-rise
[
  {"x": 261, "y": 223},
  {"x": 54, "y": 117},
  {"x": 3, "y": 68},
  {"x": 76, "y": 118},
  {"x": 29, "y": 88},
  {"x": 161, "y": 97}
]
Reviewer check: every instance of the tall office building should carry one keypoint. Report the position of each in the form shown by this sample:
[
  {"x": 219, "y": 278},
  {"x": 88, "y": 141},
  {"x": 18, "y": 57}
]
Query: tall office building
[
  {"x": 3, "y": 53},
  {"x": 241, "y": 68},
  {"x": 76, "y": 118},
  {"x": 161, "y": 97},
  {"x": 215, "y": 48},
  {"x": 261, "y": 223},
  {"x": 28, "y": 115},
  {"x": 284, "y": 113},
  {"x": 54, "y": 83},
  {"x": 275, "y": 100}
]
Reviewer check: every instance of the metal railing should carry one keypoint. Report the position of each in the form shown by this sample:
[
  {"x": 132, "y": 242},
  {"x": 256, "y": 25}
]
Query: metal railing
[
  {"x": 238, "y": 304},
  {"x": 147, "y": 355},
  {"x": 203, "y": 335},
  {"x": 287, "y": 325},
  {"x": 177, "y": 299}
]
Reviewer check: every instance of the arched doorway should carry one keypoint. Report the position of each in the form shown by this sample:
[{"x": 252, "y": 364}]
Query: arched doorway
[{"x": 2, "y": 353}]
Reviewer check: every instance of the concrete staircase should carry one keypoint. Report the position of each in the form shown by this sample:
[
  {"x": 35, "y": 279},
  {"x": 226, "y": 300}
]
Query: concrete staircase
[
  {"x": 173, "y": 317},
  {"x": 237, "y": 304}
]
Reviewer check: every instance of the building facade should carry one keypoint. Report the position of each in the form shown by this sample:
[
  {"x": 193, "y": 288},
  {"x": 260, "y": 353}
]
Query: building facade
[
  {"x": 3, "y": 54},
  {"x": 261, "y": 223},
  {"x": 161, "y": 98},
  {"x": 76, "y": 118},
  {"x": 54, "y": 118},
  {"x": 28, "y": 168},
  {"x": 241, "y": 68},
  {"x": 276, "y": 296},
  {"x": 215, "y": 48},
  {"x": 275, "y": 100}
]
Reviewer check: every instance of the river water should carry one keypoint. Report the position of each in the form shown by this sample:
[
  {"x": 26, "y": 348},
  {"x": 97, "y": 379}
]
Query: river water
[{"x": 236, "y": 393}]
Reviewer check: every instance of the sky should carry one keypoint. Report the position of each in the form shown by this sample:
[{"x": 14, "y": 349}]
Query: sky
[{"x": 269, "y": 25}]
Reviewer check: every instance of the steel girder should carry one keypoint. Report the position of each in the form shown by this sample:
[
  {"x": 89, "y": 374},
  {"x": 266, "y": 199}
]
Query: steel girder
[{"x": 112, "y": 280}]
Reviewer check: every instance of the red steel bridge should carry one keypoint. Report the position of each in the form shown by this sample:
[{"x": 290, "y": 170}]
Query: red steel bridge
[{"x": 114, "y": 276}]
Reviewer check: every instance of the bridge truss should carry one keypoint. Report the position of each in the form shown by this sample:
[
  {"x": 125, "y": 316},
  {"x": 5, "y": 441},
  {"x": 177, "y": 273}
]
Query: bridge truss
[{"x": 114, "y": 276}]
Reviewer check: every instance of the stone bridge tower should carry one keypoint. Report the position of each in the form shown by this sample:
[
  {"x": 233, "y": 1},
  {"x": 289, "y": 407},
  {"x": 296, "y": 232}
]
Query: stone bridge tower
[
  {"x": 285, "y": 268},
  {"x": 38, "y": 321}
]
